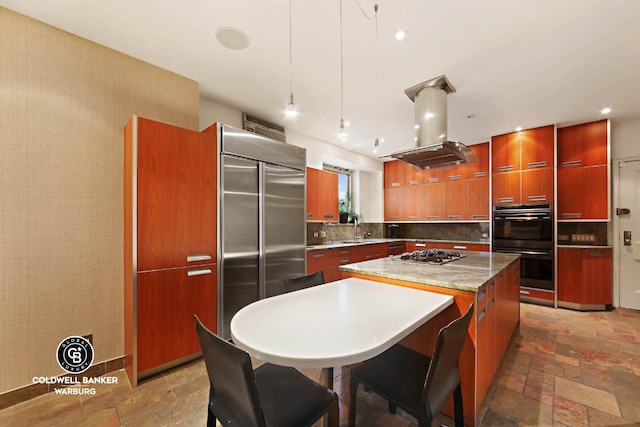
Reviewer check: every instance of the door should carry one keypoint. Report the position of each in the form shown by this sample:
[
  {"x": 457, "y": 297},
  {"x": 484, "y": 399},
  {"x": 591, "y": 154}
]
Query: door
[
  {"x": 240, "y": 239},
  {"x": 284, "y": 226},
  {"x": 629, "y": 258}
]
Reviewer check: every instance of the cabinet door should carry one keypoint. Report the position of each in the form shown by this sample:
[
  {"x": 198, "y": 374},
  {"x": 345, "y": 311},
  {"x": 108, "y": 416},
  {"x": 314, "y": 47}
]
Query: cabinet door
[
  {"x": 455, "y": 200},
  {"x": 393, "y": 174},
  {"x": 328, "y": 195},
  {"x": 313, "y": 194},
  {"x": 320, "y": 261},
  {"x": 596, "y": 276},
  {"x": 412, "y": 174},
  {"x": 506, "y": 188},
  {"x": 419, "y": 246},
  {"x": 537, "y": 147},
  {"x": 482, "y": 168},
  {"x": 478, "y": 199},
  {"x": 583, "y": 193},
  {"x": 505, "y": 152},
  {"x": 455, "y": 173},
  {"x": 569, "y": 285},
  {"x": 433, "y": 201},
  {"x": 432, "y": 176},
  {"x": 176, "y": 196},
  {"x": 583, "y": 145},
  {"x": 412, "y": 203},
  {"x": 537, "y": 185},
  {"x": 393, "y": 204},
  {"x": 167, "y": 301}
]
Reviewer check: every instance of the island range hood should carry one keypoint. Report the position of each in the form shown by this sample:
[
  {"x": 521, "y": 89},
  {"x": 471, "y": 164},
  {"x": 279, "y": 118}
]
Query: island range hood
[{"x": 433, "y": 149}]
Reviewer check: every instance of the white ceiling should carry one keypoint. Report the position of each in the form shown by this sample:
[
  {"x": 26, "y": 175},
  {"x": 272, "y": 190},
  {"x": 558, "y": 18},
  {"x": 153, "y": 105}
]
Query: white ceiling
[{"x": 513, "y": 62}]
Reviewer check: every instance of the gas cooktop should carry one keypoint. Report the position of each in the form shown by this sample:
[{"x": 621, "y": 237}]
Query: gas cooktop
[{"x": 431, "y": 256}]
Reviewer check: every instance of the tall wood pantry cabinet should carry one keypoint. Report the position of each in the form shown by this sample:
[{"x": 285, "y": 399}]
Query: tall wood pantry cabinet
[{"x": 170, "y": 187}]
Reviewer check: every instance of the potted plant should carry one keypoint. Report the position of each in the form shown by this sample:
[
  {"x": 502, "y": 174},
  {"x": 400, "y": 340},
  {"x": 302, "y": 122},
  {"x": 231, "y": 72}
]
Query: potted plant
[{"x": 346, "y": 211}]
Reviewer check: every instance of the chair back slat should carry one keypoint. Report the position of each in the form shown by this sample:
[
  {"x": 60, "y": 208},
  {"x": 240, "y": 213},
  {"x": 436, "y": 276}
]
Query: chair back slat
[{"x": 298, "y": 283}]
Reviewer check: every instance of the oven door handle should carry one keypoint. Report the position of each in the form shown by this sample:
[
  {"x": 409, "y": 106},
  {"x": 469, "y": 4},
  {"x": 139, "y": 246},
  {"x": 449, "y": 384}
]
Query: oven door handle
[
  {"x": 524, "y": 252},
  {"x": 522, "y": 218}
]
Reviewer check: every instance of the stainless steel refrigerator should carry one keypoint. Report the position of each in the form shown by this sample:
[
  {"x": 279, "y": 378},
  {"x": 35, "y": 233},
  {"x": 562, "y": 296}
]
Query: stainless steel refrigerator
[{"x": 262, "y": 223}]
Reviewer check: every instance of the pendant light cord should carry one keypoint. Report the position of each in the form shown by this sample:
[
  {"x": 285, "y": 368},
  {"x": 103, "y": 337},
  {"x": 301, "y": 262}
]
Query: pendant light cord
[
  {"x": 290, "y": 54},
  {"x": 375, "y": 9},
  {"x": 341, "y": 70}
]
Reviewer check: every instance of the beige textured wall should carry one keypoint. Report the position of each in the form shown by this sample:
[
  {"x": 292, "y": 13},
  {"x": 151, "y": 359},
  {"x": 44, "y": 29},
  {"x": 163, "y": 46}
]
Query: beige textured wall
[{"x": 63, "y": 104}]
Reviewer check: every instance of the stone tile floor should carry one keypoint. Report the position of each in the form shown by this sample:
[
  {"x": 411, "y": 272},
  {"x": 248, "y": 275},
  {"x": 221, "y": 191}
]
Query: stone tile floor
[{"x": 563, "y": 368}]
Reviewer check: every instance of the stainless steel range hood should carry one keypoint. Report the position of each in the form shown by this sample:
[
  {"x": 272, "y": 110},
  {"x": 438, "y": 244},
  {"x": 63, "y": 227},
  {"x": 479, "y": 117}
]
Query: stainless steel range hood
[{"x": 433, "y": 149}]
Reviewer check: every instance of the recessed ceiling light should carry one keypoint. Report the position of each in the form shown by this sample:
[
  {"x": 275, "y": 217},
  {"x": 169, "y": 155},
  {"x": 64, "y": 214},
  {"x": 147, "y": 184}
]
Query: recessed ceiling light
[
  {"x": 401, "y": 34},
  {"x": 416, "y": 127},
  {"x": 519, "y": 128},
  {"x": 605, "y": 110},
  {"x": 232, "y": 38}
]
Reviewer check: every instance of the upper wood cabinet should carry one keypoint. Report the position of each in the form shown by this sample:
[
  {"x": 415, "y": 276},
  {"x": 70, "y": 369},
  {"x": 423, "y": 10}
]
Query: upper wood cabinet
[
  {"x": 176, "y": 195},
  {"x": 583, "y": 145},
  {"x": 455, "y": 200},
  {"x": 322, "y": 195},
  {"x": 505, "y": 153},
  {"x": 432, "y": 176},
  {"x": 482, "y": 168},
  {"x": 537, "y": 147},
  {"x": 583, "y": 172},
  {"x": 455, "y": 173},
  {"x": 478, "y": 199},
  {"x": 506, "y": 188},
  {"x": 433, "y": 201},
  {"x": 394, "y": 173},
  {"x": 412, "y": 174},
  {"x": 412, "y": 203},
  {"x": 537, "y": 185},
  {"x": 393, "y": 204}
]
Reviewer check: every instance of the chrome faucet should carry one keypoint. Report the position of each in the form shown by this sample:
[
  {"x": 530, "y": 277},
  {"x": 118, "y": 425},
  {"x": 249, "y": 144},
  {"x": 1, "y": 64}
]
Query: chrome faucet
[{"x": 355, "y": 229}]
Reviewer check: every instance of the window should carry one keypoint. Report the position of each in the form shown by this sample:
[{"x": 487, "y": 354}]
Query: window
[{"x": 344, "y": 180}]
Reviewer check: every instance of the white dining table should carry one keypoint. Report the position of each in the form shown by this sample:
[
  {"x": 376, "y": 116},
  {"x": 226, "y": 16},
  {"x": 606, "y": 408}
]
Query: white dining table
[{"x": 335, "y": 324}]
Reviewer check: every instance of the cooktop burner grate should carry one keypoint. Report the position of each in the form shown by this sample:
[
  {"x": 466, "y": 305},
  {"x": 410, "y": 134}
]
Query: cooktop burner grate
[{"x": 431, "y": 256}]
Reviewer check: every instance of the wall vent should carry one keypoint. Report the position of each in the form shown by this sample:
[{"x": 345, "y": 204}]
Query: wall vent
[{"x": 263, "y": 127}]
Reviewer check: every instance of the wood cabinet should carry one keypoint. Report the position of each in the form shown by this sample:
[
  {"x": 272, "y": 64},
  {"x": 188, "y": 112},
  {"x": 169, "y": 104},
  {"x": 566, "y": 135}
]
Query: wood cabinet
[
  {"x": 584, "y": 277},
  {"x": 329, "y": 260},
  {"x": 455, "y": 200},
  {"x": 322, "y": 195},
  {"x": 482, "y": 168},
  {"x": 478, "y": 199},
  {"x": 170, "y": 222},
  {"x": 537, "y": 147},
  {"x": 393, "y": 203},
  {"x": 411, "y": 203},
  {"x": 583, "y": 145},
  {"x": 506, "y": 188},
  {"x": 537, "y": 185},
  {"x": 505, "y": 153},
  {"x": 583, "y": 174},
  {"x": 433, "y": 201},
  {"x": 321, "y": 260},
  {"x": 394, "y": 173}
]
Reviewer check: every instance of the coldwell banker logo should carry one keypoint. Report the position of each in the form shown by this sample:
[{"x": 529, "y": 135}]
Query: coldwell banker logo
[{"x": 75, "y": 354}]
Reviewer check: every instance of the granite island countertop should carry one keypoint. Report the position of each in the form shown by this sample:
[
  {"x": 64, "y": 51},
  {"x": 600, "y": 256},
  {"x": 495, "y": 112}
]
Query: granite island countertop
[
  {"x": 370, "y": 241},
  {"x": 465, "y": 274}
]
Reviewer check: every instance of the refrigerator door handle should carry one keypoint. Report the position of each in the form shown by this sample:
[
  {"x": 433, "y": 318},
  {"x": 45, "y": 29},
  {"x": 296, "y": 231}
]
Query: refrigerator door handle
[{"x": 262, "y": 262}]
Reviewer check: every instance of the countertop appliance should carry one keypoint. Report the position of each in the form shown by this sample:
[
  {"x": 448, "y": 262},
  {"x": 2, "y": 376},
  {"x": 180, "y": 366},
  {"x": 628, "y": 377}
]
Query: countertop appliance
[
  {"x": 431, "y": 256},
  {"x": 527, "y": 230},
  {"x": 262, "y": 227}
]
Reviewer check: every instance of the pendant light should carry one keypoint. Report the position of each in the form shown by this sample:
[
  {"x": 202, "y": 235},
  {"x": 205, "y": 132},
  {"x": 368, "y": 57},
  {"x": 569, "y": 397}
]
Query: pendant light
[
  {"x": 342, "y": 133},
  {"x": 290, "y": 111}
]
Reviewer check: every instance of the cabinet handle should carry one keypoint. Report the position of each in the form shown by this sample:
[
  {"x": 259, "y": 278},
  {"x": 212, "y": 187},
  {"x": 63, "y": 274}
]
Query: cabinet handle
[
  {"x": 540, "y": 198},
  {"x": 368, "y": 256},
  {"x": 478, "y": 216},
  {"x": 481, "y": 295},
  {"x": 320, "y": 255},
  {"x": 395, "y": 184},
  {"x": 505, "y": 199},
  {"x": 344, "y": 252},
  {"x": 454, "y": 177},
  {"x": 433, "y": 217},
  {"x": 596, "y": 253},
  {"x": 345, "y": 260},
  {"x": 462, "y": 248},
  {"x": 328, "y": 215},
  {"x": 524, "y": 292},
  {"x": 412, "y": 182},
  {"x": 413, "y": 217},
  {"x": 481, "y": 315},
  {"x": 395, "y": 218},
  {"x": 505, "y": 168},
  {"x": 200, "y": 272},
  {"x": 492, "y": 285},
  {"x": 421, "y": 245},
  {"x": 455, "y": 216},
  {"x": 309, "y": 215},
  {"x": 572, "y": 163},
  {"x": 491, "y": 304},
  {"x": 198, "y": 257},
  {"x": 571, "y": 214},
  {"x": 541, "y": 164},
  {"x": 432, "y": 180},
  {"x": 479, "y": 174}
]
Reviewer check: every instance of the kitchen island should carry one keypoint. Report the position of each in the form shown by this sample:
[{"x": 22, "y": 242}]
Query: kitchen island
[{"x": 490, "y": 281}]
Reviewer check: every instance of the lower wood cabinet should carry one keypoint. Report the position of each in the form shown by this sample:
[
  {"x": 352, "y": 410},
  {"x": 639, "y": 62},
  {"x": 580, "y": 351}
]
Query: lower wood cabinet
[
  {"x": 166, "y": 303},
  {"x": 584, "y": 278},
  {"x": 330, "y": 260}
]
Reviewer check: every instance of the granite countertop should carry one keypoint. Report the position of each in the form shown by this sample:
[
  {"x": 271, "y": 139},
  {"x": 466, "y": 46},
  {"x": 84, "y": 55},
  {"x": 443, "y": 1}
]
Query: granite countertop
[
  {"x": 465, "y": 274},
  {"x": 371, "y": 241},
  {"x": 585, "y": 246}
]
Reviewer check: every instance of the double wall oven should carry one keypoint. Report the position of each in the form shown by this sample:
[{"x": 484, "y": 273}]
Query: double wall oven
[{"x": 527, "y": 230}]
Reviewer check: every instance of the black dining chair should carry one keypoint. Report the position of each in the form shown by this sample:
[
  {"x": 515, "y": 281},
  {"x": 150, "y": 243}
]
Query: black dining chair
[
  {"x": 419, "y": 384},
  {"x": 297, "y": 283},
  {"x": 269, "y": 396}
]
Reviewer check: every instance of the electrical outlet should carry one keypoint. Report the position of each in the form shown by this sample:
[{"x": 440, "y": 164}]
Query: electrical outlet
[{"x": 316, "y": 234}]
